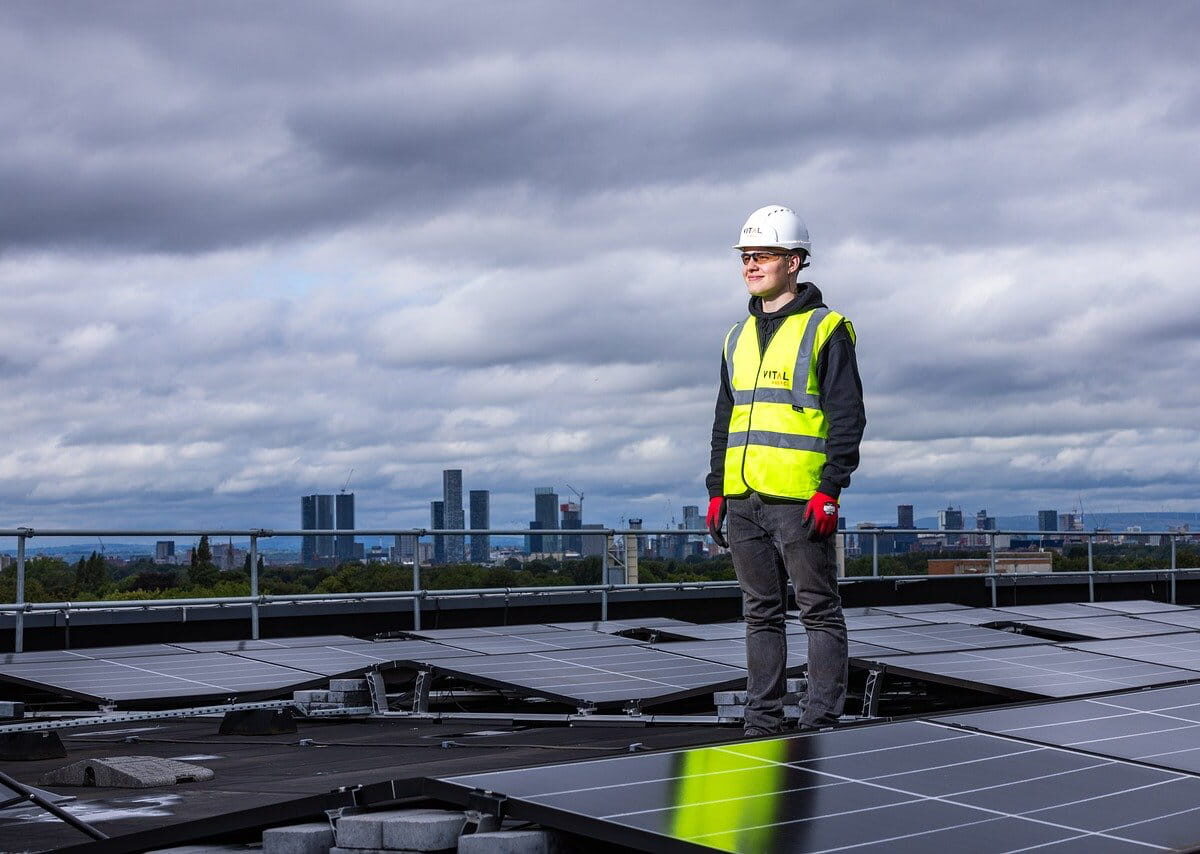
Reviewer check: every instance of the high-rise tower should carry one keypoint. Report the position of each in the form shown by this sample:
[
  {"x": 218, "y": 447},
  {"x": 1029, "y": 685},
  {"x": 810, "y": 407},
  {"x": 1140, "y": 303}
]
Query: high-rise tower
[
  {"x": 452, "y": 501},
  {"x": 481, "y": 544}
]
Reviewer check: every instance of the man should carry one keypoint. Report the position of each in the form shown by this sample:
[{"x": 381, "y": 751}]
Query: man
[{"x": 785, "y": 439}]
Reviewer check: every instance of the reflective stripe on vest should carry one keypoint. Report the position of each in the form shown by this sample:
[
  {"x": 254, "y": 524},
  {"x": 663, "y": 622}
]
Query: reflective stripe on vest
[
  {"x": 731, "y": 798},
  {"x": 777, "y": 429}
]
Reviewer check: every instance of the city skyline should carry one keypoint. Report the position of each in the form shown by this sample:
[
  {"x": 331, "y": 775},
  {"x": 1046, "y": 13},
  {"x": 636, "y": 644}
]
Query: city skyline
[{"x": 225, "y": 261}]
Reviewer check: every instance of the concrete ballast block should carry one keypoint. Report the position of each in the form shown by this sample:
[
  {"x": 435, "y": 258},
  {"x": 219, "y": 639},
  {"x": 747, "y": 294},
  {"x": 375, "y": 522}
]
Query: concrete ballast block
[
  {"x": 424, "y": 830},
  {"x": 365, "y": 830},
  {"x": 312, "y": 838},
  {"x": 348, "y": 685},
  {"x": 311, "y": 696},
  {"x": 510, "y": 842},
  {"x": 126, "y": 772},
  {"x": 12, "y": 709}
]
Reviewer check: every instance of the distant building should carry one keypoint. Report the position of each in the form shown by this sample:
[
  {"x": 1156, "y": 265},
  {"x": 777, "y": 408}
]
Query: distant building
[
  {"x": 984, "y": 522},
  {"x": 481, "y": 544},
  {"x": 593, "y": 544},
  {"x": 1008, "y": 564},
  {"x": 904, "y": 516},
  {"x": 572, "y": 520},
  {"x": 1069, "y": 522},
  {"x": 344, "y": 547},
  {"x": 226, "y": 556},
  {"x": 950, "y": 519},
  {"x": 317, "y": 514},
  {"x": 1047, "y": 520},
  {"x": 437, "y": 521},
  {"x": 452, "y": 498},
  {"x": 545, "y": 517},
  {"x": 164, "y": 551},
  {"x": 692, "y": 520}
]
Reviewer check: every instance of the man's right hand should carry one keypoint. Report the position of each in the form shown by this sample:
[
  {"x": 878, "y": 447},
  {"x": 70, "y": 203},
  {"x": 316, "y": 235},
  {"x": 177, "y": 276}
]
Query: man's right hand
[{"x": 714, "y": 520}]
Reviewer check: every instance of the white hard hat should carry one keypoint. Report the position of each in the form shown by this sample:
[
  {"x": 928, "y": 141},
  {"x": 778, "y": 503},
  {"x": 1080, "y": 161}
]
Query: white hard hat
[{"x": 775, "y": 225}]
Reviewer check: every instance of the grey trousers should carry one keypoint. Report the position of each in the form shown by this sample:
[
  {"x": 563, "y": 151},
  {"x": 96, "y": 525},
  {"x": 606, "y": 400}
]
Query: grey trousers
[{"x": 769, "y": 542}]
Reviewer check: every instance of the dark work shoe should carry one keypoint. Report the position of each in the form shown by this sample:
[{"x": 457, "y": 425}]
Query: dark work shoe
[{"x": 757, "y": 732}]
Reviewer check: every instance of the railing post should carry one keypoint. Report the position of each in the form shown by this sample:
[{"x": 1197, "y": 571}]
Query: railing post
[
  {"x": 19, "y": 628},
  {"x": 254, "y": 586},
  {"x": 1090, "y": 565},
  {"x": 417, "y": 583},
  {"x": 1174, "y": 569},
  {"x": 874, "y": 554},
  {"x": 992, "y": 549},
  {"x": 1091, "y": 573},
  {"x": 604, "y": 603}
]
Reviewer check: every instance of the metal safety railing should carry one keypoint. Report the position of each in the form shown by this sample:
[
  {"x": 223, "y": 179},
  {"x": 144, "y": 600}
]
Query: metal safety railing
[{"x": 619, "y": 561}]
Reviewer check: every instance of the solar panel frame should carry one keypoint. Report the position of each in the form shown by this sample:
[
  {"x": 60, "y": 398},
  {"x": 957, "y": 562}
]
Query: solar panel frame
[
  {"x": 1029, "y": 672},
  {"x": 909, "y": 786},
  {"x": 158, "y": 678},
  {"x": 604, "y": 676}
]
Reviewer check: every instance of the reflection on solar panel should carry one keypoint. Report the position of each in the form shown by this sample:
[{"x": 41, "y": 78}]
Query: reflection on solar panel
[
  {"x": 1161, "y": 726},
  {"x": 1116, "y": 626},
  {"x": 1138, "y": 606},
  {"x": 1062, "y": 611},
  {"x": 505, "y": 644},
  {"x": 929, "y": 608},
  {"x": 599, "y": 676},
  {"x": 1176, "y": 650},
  {"x": 344, "y": 660},
  {"x": 198, "y": 674},
  {"x": 617, "y": 626},
  {"x": 912, "y": 786},
  {"x": 1189, "y": 618},
  {"x": 91, "y": 653},
  {"x": 943, "y": 638},
  {"x": 480, "y": 632},
  {"x": 1031, "y": 671},
  {"x": 272, "y": 643},
  {"x": 970, "y": 616}
]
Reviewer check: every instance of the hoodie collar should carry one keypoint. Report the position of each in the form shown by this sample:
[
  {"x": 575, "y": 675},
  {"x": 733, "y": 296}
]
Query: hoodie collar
[{"x": 808, "y": 296}]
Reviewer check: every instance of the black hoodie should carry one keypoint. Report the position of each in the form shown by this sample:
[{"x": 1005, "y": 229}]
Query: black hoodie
[{"x": 841, "y": 396}]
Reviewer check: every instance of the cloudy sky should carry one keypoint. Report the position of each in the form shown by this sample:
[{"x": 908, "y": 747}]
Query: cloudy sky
[{"x": 246, "y": 247}]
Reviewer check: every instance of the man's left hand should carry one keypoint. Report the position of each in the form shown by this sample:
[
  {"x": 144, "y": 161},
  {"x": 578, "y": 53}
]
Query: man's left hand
[{"x": 822, "y": 514}]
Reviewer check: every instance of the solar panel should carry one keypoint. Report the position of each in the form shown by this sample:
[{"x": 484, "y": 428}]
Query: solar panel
[
  {"x": 599, "y": 676},
  {"x": 1082, "y": 628},
  {"x": 942, "y": 638},
  {"x": 198, "y": 674},
  {"x": 624, "y": 625},
  {"x": 1138, "y": 606},
  {"x": 272, "y": 643},
  {"x": 1061, "y": 611},
  {"x": 866, "y": 618},
  {"x": 733, "y": 652},
  {"x": 704, "y": 631},
  {"x": 92, "y": 653},
  {"x": 928, "y": 608},
  {"x": 902, "y": 787},
  {"x": 480, "y": 632},
  {"x": 1030, "y": 671},
  {"x": 539, "y": 642},
  {"x": 1175, "y": 650},
  {"x": 1160, "y": 726},
  {"x": 970, "y": 616},
  {"x": 344, "y": 660},
  {"x": 1189, "y": 618}
]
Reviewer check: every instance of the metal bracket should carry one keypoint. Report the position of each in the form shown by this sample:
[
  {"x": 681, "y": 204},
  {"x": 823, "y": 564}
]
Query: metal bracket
[
  {"x": 379, "y": 700},
  {"x": 634, "y": 708},
  {"x": 871, "y": 692},
  {"x": 487, "y": 804},
  {"x": 421, "y": 691}
]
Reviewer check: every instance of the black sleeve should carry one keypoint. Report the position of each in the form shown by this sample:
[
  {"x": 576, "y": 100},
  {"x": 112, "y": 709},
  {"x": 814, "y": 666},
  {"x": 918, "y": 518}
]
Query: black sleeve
[
  {"x": 842, "y": 401},
  {"x": 720, "y": 434}
]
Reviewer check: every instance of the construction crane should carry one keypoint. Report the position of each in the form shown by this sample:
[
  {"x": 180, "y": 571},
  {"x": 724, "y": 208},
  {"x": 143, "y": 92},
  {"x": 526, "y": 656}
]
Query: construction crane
[
  {"x": 580, "y": 494},
  {"x": 346, "y": 485}
]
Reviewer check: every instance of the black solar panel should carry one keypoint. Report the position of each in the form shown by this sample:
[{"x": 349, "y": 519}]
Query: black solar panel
[
  {"x": 903, "y": 787},
  {"x": 344, "y": 660},
  {"x": 866, "y": 618},
  {"x": 943, "y": 638},
  {"x": 624, "y": 625},
  {"x": 1138, "y": 606},
  {"x": 1031, "y": 671},
  {"x": 1082, "y": 628},
  {"x": 605, "y": 676},
  {"x": 197, "y": 674},
  {"x": 540, "y": 642},
  {"x": 928, "y": 608},
  {"x": 704, "y": 631},
  {"x": 272, "y": 643},
  {"x": 92, "y": 653},
  {"x": 733, "y": 651},
  {"x": 480, "y": 632},
  {"x": 970, "y": 616},
  {"x": 1160, "y": 726},
  {"x": 1061, "y": 611},
  {"x": 1176, "y": 650},
  {"x": 1188, "y": 619}
]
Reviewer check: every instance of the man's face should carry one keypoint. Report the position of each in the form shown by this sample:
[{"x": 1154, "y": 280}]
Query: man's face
[{"x": 767, "y": 271}]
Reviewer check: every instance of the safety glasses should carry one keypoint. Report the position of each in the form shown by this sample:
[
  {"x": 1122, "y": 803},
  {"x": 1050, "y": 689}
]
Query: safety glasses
[{"x": 760, "y": 257}]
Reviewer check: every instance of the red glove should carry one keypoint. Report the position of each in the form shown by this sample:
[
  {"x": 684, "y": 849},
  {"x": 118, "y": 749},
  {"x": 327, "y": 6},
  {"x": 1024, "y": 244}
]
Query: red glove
[
  {"x": 715, "y": 518},
  {"x": 822, "y": 513}
]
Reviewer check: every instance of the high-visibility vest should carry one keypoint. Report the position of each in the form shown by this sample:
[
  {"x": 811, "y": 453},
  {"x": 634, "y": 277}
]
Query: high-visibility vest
[
  {"x": 729, "y": 798},
  {"x": 777, "y": 429}
]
